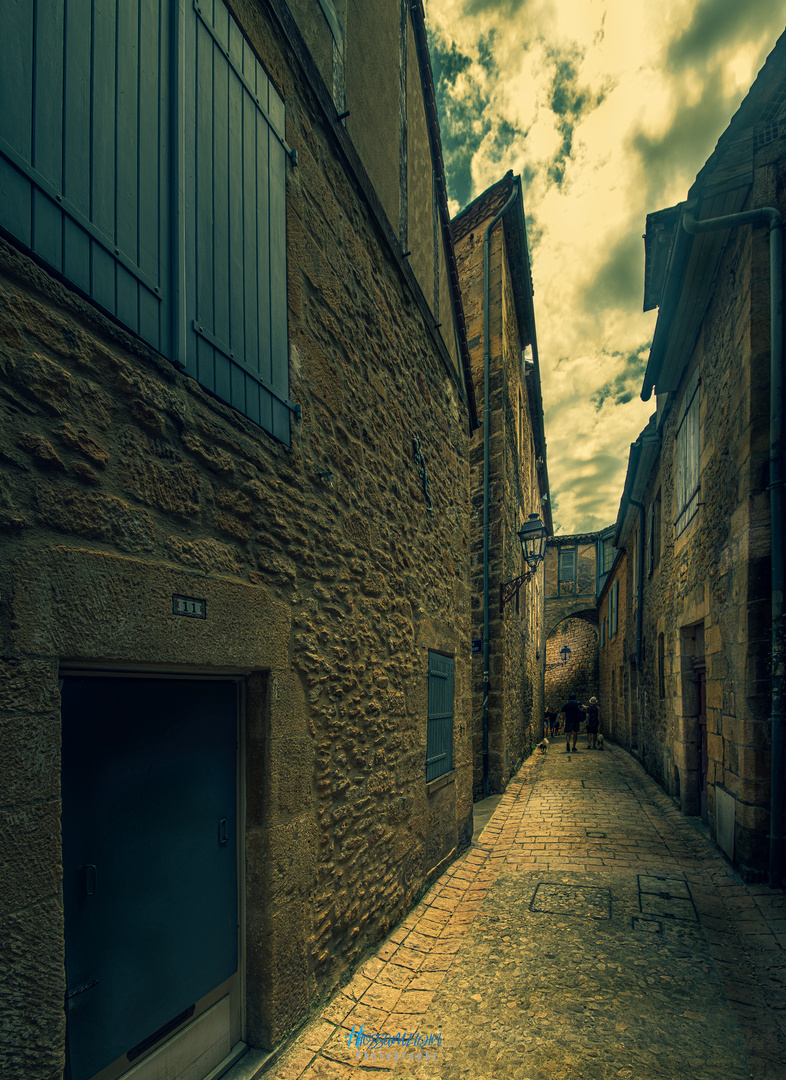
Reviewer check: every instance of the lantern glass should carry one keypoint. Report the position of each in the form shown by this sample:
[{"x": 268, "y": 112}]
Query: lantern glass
[{"x": 532, "y": 535}]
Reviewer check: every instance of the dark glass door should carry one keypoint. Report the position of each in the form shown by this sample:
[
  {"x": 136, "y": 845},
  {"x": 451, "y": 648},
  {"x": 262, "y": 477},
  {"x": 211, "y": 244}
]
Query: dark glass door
[{"x": 149, "y": 857}]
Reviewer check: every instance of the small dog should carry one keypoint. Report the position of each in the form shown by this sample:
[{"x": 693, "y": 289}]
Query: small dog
[
  {"x": 543, "y": 745},
  {"x": 600, "y": 742}
]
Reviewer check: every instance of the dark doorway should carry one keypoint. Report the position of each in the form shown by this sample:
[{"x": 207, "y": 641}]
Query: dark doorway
[
  {"x": 149, "y": 784},
  {"x": 700, "y": 675}
]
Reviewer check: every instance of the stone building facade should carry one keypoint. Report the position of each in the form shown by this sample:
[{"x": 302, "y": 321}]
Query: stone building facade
[
  {"x": 576, "y": 672},
  {"x": 575, "y": 571},
  {"x": 235, "y": 491},
  {"x": 701, "y": 517},
  {"x": 508, "y": 701}
]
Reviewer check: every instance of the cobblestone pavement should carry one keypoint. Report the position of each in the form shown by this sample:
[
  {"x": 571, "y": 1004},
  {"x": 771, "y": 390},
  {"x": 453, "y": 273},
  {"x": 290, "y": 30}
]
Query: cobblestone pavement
[{"x": 589, "y": 933}]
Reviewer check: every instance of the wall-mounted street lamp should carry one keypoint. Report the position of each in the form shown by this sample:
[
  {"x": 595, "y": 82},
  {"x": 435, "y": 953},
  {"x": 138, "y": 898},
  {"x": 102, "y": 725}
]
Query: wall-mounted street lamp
[
  {"x": 532, "y": 535},
  {"x": 565, "y": 654}
]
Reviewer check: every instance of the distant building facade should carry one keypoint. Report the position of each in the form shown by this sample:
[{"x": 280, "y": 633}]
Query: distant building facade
[
  {"x": 701, "y": 518},
  {"x": 576, "y": 569},
  {"x": 235, "y": 676},
  {"x": 508, "y": 700}
]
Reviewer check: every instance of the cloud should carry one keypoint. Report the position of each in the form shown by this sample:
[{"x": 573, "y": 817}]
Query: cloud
[
  {"x": 718, "y": 25},
  {"x": 683, "y": 146},
  {"x": 626, "y": 384},
  {"x": 569, "y": 101},
  {"x": 620, "y": 280},
  {"x": 607, "y": 110}
]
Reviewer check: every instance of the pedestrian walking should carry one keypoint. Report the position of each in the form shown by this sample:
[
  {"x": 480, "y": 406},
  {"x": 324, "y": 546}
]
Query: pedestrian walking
[
  {"x": 551, "y": 720},
  {"x": 593, "y": 723},
  {"x": 571, "y": 710}
]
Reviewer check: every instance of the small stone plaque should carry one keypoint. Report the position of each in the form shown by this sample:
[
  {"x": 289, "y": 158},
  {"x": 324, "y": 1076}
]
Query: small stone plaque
[{"x": 193, "y": 607}]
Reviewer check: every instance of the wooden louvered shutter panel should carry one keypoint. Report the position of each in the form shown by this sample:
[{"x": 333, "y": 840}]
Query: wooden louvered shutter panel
[
  {"x": 83, "y": 150},
  {"x": 439, "y": 736},
  {"x": 235, "y": 173}
]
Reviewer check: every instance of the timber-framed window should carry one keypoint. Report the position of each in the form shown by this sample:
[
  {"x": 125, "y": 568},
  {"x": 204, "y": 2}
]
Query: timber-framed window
[{"x": 142, "y": 157}]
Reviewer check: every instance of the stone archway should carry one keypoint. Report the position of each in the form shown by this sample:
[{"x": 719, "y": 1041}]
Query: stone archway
[{"x": 579, "y": 632}]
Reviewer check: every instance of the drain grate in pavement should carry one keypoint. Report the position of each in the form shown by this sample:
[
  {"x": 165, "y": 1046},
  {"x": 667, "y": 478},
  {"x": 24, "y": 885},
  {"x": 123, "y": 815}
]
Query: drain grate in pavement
[
  {"x": 666, "y": 898},
  {"x": 595, "y": 834},
  {"x": 583, "y": 900}
]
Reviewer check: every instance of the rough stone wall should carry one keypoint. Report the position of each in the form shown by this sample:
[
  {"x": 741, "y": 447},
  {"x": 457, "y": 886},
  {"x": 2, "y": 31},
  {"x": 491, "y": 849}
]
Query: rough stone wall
[
  {"x": 580, "y": 674},
  {"x": 516, "y": 636},
  {"x": 713, "y": 578},
  {"x": 708, "y": 595},
  {"x": 123, "y": 482},
  {"x": 564, "y": 598}
]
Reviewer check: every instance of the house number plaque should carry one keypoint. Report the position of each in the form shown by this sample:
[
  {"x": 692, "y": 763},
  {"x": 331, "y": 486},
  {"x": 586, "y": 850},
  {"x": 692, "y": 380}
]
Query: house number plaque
[{"x": 190, "y": 606}]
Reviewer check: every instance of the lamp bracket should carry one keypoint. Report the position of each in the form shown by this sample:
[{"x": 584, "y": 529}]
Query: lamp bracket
[{"x": 509, "y": 589}]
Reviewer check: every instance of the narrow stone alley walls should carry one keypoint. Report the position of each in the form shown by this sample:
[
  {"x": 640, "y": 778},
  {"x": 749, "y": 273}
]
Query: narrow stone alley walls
[
  {"x": 518, "y": 482},
  {"x": 321, "y": 575},
  {"x": 578, "y": 673}
]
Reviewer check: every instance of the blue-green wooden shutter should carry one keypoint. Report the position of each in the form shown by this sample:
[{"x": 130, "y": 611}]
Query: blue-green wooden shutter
[
  {"x": 235, "y": 172},
  {"x": 84, "y": 178},
  {"x": 439, "y": 735}
]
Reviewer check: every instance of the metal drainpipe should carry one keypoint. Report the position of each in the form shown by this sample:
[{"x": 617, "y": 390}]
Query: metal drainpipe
[
  {"x": 640, "y": 611},
  {"x": 486, "y": 451},
  {"x": 640, "y": 615},
  {"x": 771, "y": 217}
]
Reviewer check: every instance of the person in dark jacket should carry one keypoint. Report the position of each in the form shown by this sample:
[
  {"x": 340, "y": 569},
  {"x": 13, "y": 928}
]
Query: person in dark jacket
[{"x": 571, "y": 711}]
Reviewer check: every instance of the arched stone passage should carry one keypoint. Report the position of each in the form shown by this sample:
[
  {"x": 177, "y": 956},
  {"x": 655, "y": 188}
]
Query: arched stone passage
[{"x": 579, "y": 675}]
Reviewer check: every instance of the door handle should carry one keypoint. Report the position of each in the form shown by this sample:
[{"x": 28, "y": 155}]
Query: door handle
[
  {"x": 223, "y": 831},
  {"x": 89, "y": 880}
]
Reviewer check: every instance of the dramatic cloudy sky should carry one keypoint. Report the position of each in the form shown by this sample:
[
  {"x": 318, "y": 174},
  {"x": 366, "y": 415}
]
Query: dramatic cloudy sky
[{"x": 607, "y": 109}]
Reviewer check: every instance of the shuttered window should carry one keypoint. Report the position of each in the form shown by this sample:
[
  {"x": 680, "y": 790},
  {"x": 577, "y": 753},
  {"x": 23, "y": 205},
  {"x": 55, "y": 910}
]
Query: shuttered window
[
  {"x": 686, "y": 480},
  {"x": 84, "y": 168},
  {"x": 613, "y": 608},
  {"x": 142, "y": 156},
  {"x": 439, "y": 736},
  {"x": 566, "y": 584}
]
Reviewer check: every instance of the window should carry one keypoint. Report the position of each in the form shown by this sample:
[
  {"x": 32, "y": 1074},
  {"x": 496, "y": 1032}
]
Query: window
[
  {"x": 686, "y": 479},
  {"x": 439, "y": 734},
  {"x": 142, "y": 156},
  {"x": 661, "y": 667},
  {"x": 608, "y": 555},
  {"x": 654, "y": 544},
  {"x": 613, "y": 608},
  {"x": 567, "y": 571}
]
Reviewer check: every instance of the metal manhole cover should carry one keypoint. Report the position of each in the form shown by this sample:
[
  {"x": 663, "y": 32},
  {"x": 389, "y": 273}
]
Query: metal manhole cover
[
  {"x": 582, "y": 900},
  {"x": 666, "y": 898}
]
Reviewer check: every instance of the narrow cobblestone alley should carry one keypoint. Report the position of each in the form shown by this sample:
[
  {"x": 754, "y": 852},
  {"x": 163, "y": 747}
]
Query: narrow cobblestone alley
[{"x": 590, "y": 932}]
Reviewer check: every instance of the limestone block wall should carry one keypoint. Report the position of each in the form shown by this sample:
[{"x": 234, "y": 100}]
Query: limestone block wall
[
  {"x": 516, "y": 636},
  {"x": 570, "y": 597},
  {"x": 580, "y": 674},
  {"x": 327, "y": 577},
  {"x": 708, "y": 596}
]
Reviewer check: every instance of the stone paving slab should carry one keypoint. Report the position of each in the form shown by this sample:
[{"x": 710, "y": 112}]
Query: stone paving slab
[{"x": 590, "y": 933}]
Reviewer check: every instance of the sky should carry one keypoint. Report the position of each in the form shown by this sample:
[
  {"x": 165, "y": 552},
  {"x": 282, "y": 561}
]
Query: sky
[{"x": 607, "y": 109}]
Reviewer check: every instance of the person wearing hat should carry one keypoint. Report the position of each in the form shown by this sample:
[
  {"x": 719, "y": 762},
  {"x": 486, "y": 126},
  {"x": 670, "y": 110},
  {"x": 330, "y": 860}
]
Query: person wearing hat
[
  {"x": 593, "y": 723},
  {"x": 571, "y": 710}
]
